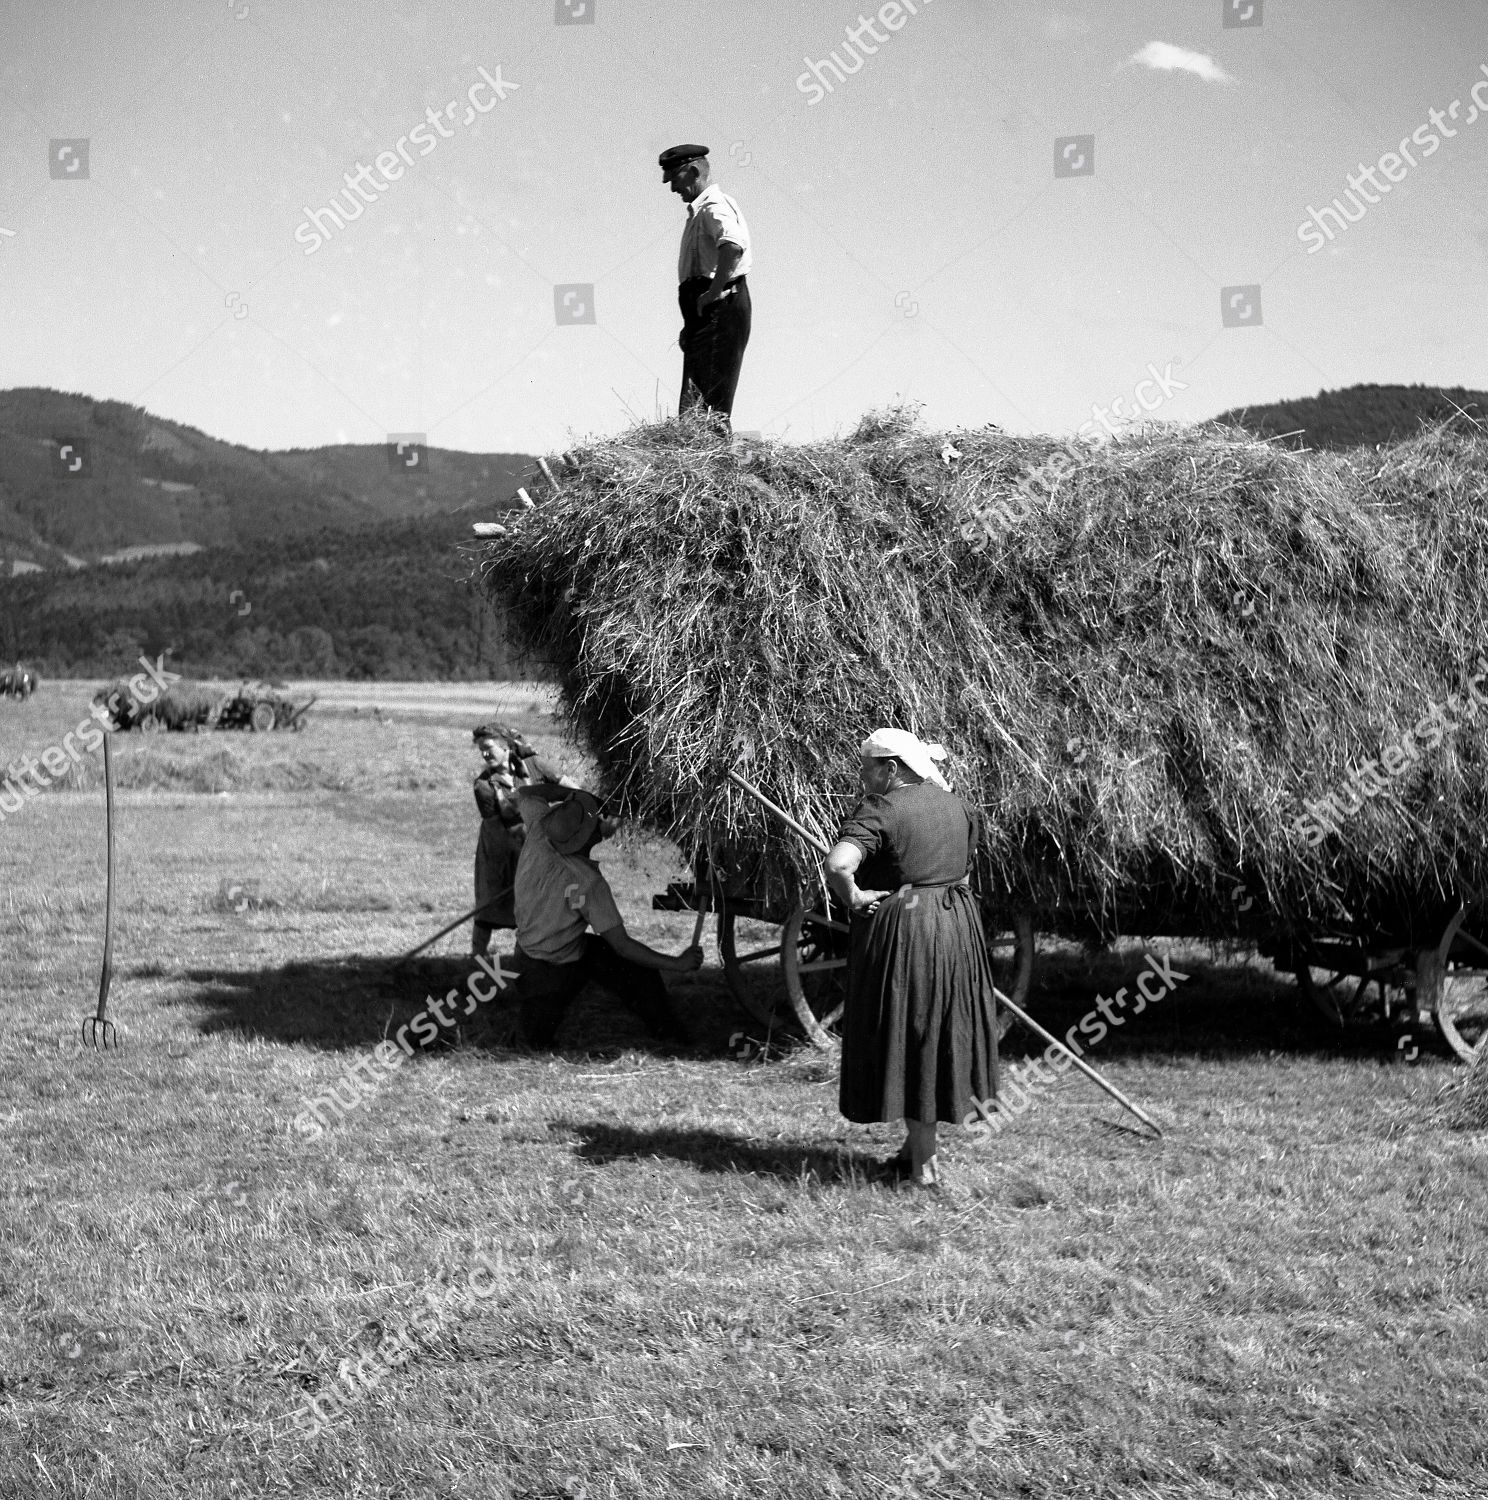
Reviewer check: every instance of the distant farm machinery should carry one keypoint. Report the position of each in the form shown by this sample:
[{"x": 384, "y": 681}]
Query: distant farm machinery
[
  {"x": 18, "y": 682},
  {"x": 256, "y": 706},
  {"x": 262, "y": 707}
]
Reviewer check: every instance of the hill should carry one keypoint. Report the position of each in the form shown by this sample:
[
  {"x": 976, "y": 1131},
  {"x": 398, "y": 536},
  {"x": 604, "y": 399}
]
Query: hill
[
  {"x": 1361, "y": 416},
  {"x": 387, "y": 601},
  {"x": 81, "y": 479}
]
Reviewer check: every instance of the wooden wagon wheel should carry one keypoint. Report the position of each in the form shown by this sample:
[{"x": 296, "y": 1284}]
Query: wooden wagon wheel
[
  {"x": 813, "y": 956},
  {"x": 812, "y": 949},
  {"x": 1356, "y": 995},
  {"x": 744, "y": 942},
  {"x": 1461, "y": 1008}
]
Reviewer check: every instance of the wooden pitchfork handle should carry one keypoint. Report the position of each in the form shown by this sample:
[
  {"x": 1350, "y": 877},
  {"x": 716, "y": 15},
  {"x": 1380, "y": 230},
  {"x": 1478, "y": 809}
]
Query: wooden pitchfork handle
[
  {"x": 98, "y": 1029},
  {"x": 458, "y": 922},
  {"x": 1002, "y": 999},
  {"x": 702, "y": 911}
]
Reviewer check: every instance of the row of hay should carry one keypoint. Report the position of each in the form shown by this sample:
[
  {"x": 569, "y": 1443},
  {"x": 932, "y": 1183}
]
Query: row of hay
[{"x": 1142, "y": 680}]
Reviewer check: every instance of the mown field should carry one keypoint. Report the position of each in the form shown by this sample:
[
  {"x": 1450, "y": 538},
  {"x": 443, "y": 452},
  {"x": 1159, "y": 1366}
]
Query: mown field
[{"x": 697, "y": 1291}]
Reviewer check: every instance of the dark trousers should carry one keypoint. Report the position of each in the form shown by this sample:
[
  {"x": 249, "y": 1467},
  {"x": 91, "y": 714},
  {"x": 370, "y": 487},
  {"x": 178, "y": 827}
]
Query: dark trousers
[
  {"x": 545, "y": 991},
  {"x": 713, "y": 344}
]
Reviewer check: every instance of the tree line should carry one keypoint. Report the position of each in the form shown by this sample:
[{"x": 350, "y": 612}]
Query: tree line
[{"x": 394, "y": 601}]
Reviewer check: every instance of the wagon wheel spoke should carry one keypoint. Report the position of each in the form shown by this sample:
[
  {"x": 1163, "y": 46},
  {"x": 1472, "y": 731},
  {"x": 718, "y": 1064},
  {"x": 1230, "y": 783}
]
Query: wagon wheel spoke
[
  {"x": 817, "y": 965},
  {"x": 753, "y": 989},
  {"x": 817, "y": 920},
  {"x": 1011, "y": 953},
  {"x": 1467, "y": 937},
  {"x": 757, "y": 954}
]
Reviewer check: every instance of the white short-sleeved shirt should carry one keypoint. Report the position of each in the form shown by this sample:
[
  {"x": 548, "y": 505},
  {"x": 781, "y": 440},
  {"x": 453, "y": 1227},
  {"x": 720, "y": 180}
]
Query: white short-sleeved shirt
[
  {"x": 557, "y": 895},
  {"x": 713, "y": 217}
]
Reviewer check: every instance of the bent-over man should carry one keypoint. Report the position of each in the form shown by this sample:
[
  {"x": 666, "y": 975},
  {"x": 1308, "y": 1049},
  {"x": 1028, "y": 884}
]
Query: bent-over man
[{"x": 560, "y": 892}]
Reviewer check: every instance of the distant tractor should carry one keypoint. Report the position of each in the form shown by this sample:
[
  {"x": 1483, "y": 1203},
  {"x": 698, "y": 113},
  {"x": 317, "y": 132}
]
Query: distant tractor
[{"x": 261, "y": 707}]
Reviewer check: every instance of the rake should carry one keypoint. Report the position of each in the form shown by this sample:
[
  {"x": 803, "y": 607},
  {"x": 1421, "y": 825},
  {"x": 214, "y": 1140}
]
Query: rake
[
  {"x": 458, "y": 922},
  {"x": 98, "y": 1030}
]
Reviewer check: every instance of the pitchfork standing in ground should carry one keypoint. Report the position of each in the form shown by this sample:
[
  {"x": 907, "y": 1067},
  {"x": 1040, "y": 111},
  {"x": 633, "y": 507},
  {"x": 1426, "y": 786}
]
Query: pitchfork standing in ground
[
  {"x": 713, "y": 293},
  {"x": 919, "y": 1037}
]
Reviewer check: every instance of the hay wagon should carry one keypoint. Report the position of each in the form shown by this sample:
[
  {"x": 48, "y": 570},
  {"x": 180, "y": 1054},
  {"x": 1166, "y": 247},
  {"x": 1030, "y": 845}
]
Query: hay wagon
[
  {"x": 1171, "y": 644},
  {"x": 1366, "y": 977}
]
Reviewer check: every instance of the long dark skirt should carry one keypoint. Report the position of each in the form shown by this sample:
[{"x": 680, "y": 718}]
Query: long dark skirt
[
  {"x": 495, "y": 871},
  {"x": 919, "y": 1039}
]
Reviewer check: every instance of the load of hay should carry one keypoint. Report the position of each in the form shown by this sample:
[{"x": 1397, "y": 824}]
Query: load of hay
[
  {"x": 1144, "y": 664},
  {"x": 183, "y": 705}
]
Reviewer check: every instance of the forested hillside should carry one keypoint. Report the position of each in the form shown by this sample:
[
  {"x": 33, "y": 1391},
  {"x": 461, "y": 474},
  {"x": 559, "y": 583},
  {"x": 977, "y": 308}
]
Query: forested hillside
[
  {"x": 390, "y": 601},
  {"x": 80, "y": 479},
  {"x": 1359, "y": 417}
]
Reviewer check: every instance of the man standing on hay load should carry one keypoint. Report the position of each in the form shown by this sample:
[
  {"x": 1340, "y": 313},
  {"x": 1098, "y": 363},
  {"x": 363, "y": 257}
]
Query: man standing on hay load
[
  {"x": 713, "y": 292},
  {"x": 560, "y": 892},
  {"x": 919, "y": 1035}
]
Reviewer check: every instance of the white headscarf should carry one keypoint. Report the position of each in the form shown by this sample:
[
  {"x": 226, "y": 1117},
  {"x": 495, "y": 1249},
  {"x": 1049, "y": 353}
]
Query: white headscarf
[{"x": 915, "y": 753}]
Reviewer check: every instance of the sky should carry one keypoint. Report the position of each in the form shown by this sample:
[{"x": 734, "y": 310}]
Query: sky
[{"x": 1008, "y": 212}]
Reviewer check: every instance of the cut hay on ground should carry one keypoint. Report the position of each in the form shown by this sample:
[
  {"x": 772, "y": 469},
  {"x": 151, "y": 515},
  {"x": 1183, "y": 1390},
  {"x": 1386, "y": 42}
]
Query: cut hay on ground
[{"x": 1142, "y": 680}]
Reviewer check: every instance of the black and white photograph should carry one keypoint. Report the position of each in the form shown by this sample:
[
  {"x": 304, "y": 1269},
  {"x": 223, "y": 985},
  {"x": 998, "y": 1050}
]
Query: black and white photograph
[{"x": 743, "y": 750}]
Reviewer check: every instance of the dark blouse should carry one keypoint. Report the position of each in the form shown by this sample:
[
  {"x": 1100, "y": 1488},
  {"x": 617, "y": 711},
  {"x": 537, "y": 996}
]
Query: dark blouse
[
  {"x": 914, "y": 835},
  {"x": 495, "y": 801}
]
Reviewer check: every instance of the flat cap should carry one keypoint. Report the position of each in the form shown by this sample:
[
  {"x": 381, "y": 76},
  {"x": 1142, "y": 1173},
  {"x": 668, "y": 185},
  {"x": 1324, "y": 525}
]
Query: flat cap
[{"x": 677, "y": 156}]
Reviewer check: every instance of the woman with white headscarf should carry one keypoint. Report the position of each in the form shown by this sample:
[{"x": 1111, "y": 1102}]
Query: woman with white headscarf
[{"x": 919, "y": 1037}]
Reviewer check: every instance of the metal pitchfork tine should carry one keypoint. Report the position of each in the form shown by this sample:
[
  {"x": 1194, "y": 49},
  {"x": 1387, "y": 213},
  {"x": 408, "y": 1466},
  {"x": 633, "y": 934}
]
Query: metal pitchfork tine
[{"x": 98, "y": 1030}]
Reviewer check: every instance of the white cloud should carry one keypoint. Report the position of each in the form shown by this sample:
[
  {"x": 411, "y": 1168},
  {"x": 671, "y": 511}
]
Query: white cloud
[{"x": 1165, "y": 57}]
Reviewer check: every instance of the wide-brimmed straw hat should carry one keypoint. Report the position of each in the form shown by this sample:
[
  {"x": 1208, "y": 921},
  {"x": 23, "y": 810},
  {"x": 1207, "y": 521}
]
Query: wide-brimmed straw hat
[{"x": 572, "y": 823}]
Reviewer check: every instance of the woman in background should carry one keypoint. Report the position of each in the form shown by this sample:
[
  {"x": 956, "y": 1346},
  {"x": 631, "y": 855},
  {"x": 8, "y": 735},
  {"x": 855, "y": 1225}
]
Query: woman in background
[
  {"x": 510, "y": 764},
  {"x": 919, "y": 1035}
]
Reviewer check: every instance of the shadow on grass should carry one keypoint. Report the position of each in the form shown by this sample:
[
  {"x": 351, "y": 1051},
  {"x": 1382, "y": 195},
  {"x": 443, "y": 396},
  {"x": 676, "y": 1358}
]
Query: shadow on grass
[
  {"x": 1226, "y": 1007},
  {"x": 1223, "y": 1009},
  {"x": 713, "y": 1151},
  {"x": 352, "y": 1003}
]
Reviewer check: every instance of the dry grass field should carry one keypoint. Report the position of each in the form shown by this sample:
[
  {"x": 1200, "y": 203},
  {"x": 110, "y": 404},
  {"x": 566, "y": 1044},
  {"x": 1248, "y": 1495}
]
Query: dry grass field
[{"x": 689, "y": 1286}]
